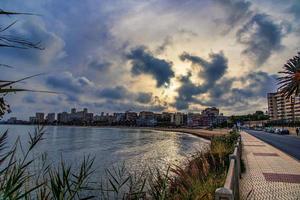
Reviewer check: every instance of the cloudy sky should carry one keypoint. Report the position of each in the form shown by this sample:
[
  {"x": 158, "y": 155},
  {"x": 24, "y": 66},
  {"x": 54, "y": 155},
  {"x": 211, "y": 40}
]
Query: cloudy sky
[{"x": 159, "y": 55}]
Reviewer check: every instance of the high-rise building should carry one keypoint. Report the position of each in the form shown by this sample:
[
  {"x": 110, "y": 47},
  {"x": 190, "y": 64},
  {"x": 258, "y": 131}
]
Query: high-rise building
[
  {"x": 213, "y": 111},
  {"x": 12, "y": 120},
  {"x": 194, "y": 119},
  {"x": 146, "y": 118},
  {"x": 88, "y": 117},
  {"x": 40, "y": 117},
  {"x": 131, "y": 116},
  {"x": 177, "y": 118},
  {"x": 119, "y": 117},
  {"x": 73, "y": 110},
  {"x": 272, "y": 106},
  {"x": 63, "y": 117},
  {"x": 282, "y": 108},
  {"x": 75, "y": 116},
  {"x": 32, "y": 120},
  {"x": 50, "y": 118},
  {"x": 208, "y": 117}
]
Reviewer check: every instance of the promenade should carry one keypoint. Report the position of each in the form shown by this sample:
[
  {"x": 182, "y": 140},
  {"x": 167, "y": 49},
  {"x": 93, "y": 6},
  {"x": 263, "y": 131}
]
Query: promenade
[{"x": 270, "y": 173}]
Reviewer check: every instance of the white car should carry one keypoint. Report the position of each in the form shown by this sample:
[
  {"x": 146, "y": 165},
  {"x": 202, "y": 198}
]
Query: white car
[{"x": 277, "y": 130}]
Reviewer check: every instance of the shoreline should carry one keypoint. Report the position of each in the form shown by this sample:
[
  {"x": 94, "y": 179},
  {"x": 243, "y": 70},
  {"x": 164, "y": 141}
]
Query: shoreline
[
  {"x": 199, "y": 132},
  {"x": 206, "y": 134}
]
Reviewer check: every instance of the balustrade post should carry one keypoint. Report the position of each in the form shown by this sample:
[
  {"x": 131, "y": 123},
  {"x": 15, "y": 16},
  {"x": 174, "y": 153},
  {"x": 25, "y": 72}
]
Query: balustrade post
[
  {"x": 232, "y": 192},
  {"x": 236, "y": 177},
  {"x": 224, "y": 194}
]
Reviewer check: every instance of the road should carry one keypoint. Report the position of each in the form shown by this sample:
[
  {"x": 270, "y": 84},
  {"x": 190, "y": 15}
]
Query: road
[{"x": 286, "y": 143}]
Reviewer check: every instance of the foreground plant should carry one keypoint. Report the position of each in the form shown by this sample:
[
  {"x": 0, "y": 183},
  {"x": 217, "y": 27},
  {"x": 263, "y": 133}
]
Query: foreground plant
[
  {"x": 8, "y": 40},
  {"x": 119, "y": 183},
  {"x": 14, "y": 173},
  {"x": 19, "y": 179}
]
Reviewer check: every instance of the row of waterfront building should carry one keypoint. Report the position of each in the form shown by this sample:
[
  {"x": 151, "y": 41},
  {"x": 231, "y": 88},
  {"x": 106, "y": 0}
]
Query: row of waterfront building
[
  {"x": 279, "y": 108},
  {"x": 208, "y": 117}
]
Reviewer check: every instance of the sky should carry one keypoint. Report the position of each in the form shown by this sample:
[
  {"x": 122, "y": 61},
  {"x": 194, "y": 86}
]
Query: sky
[{"x": 158, "y": 55}]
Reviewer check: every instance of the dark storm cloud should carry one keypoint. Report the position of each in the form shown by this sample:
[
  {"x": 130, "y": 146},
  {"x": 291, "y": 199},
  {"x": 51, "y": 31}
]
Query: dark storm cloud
[
  {"x": 261, "y": 36},
  {"x": 116, "y": 93},
  {"x": 212, "y": 70},
  {"x": 186, "y": 92},
  {"x": 66, "y": 82},
  {"x": 168, "y": 41},
  {"x": 120, "y": 106},
  {"x": 73, "y": 98},
  {"x": 83, "y": 33},
  {"x": 236, "y": 10},
  {"x": 121, "y": 99},
  {"x": 66, "y": 34},
  {"x": 255, "y": 86},
  {"x": 144, "y": 97},
  {"x": 120, "y": 93},
  {"x": 101, "y": 66},
  {"x": 258, "y": 84},
  {"x": 74, "y": 87},
  {"x": 56, "y": 100},
  {"x": 143, "y": 62},
  {"x": 88, "y": 30},
  {"x": 295, "y": 9},
  {"x": 35, "y": 31},
  {"x": 29, "y": 99},
  {"x": 221, "y": 90}
]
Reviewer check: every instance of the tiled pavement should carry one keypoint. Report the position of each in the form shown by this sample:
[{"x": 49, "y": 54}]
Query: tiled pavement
[{"x": 270, "y": 173}]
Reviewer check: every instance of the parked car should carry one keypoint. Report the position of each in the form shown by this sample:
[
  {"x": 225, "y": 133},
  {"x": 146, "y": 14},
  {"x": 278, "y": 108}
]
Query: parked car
[
  {"x": 271, "y": 130},
  {"x": 258, "y": 128},
  {"x": 277, "y": 131},
  {"x": 284, "y": 132}
]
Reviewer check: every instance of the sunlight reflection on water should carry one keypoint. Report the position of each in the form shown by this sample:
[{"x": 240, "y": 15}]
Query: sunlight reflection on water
[{"x": 137, "y": 148}]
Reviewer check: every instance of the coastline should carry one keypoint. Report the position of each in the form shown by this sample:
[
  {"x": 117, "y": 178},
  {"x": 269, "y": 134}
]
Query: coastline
[
  {"x": 206, "y": 134},
  {"x": 199, "y": 132},
  {"x": 185, "y": 169}
]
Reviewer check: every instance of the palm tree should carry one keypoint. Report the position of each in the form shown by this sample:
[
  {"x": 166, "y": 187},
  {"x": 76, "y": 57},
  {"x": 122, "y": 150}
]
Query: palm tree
[
  {"x": 289, "y": 82},
  {"x": 12, "y": 41}
]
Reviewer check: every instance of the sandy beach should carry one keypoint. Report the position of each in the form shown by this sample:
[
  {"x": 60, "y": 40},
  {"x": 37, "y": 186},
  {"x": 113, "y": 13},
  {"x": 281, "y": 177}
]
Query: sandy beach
[{"x": 207, "y": 134}]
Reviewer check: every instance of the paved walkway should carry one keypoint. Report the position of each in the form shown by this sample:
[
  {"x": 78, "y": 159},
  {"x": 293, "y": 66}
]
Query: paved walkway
[
  {"x": 289, "y": 144},
  {"x": 270, "y": 173}
]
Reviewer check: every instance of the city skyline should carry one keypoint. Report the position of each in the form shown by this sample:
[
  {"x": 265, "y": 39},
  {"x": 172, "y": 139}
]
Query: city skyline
[
  {"x": 113, "y": 59},
  {"x": 74, "y": 110},
  {"x": 208, "y": 117}
]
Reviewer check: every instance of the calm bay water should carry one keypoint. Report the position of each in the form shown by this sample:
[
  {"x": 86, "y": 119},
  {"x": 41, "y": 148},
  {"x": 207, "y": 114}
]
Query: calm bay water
[{"x": 137, "y": 148}]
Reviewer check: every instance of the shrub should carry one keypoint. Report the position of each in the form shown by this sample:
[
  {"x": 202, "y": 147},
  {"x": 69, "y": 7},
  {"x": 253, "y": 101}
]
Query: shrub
[{"x": 205, "y": 172}]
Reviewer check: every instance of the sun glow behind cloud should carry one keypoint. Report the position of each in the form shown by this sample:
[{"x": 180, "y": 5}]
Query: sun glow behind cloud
[{"x": 94, "y": 50}]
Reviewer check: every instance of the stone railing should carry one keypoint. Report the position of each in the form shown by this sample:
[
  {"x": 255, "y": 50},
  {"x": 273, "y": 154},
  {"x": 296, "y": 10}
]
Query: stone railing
[{"x": 230, "y": 191}]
